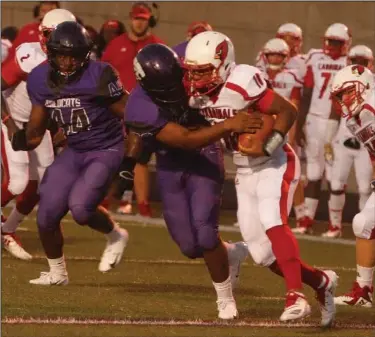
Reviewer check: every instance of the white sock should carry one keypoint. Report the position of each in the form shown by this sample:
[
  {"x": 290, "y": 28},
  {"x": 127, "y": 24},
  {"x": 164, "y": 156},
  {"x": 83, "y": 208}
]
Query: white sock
[
  {"x": 335, "y": 205},
  {"x": 58, "y": 265},
  {"x": 365, "y": 276},
  {"x": 362, "y": 200},
  {"x": 299, "y": 211},
  {"x": 224, "y": 290},
  {"x": 311, "y": 206},
  {"x": 127, "y": 196},
  {"x": 13, "y": 221},
  {"x": 113, "y": 235}
]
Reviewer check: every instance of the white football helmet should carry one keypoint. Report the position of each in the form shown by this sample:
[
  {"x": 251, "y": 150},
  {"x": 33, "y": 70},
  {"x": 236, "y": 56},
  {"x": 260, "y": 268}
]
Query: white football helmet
[
  {"x": 276, "y": 46},
  {"x": 292, "y": 35},
  {"x": 351, "y": 88},
  {"x": 50, "y": 22},
  {"x": 209, "y": 59},
  {"x": 337, "y": 40},
  {"x": 361, "y": 54}
]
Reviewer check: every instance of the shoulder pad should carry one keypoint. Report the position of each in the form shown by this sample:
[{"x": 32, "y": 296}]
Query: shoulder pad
[{"x": 29, "y": 55}]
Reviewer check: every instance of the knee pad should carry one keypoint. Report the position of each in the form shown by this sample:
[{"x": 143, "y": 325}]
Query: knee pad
[
  {"x": 81, "y": 214},
  {"x": 18, "y": 180},
  {"x": 191, "y": 251},
  {"x": 208, "y": 237},
  {"x": 364, "y": 225},
  {"x": 337, "y": 185},
  {"x": 262, "y": 253},
  {"x": 47, "y": 219},
  {"x": 314, "y": 170}
]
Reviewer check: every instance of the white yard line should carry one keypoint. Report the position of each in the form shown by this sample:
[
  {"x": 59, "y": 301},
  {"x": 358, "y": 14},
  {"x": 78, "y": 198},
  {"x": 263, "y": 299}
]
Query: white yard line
[
  {"x": 139, "y": 221},
  {"x": 161, "y": 322},
  {"x": 169, "y": 261}
]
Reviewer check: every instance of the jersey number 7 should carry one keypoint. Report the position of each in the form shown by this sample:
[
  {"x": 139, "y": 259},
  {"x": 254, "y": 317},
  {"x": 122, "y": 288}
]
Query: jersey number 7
[{"x": 327, "y": 77}]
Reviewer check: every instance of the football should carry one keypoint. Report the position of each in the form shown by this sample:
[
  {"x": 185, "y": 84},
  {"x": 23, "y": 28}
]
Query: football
[{"x": 247, "y": 141}]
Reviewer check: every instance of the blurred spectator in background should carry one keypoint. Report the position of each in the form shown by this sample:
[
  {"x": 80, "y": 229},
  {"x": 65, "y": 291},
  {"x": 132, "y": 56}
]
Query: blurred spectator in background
[
  {"x": 30, "y": 31},
  {"x": 8, "y": 35},
  {"x": 120, "y": 53},
  {"x": 94, "y": 36},
  {"x": 109, "y": 30},
  {"x": 194, "y": 28}
]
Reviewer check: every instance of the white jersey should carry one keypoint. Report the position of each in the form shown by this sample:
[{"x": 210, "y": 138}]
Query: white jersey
[
  {"x": 244, "y": 86},
  {"x": 286, "y": 83},
  {"x": 362, "y": 126},
  {"x": 320, "y": 72},
  {"x": 28, "y": 56}
]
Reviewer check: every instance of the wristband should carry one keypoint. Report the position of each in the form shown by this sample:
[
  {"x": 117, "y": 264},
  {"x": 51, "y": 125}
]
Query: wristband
[{"x": 273, "y": 142}]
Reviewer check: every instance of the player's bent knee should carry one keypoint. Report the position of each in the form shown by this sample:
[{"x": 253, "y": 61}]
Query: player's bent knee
[
  {"x": 364, "y": 225},
  {"x": 81, "y": 214},
  {"x": 337, "y": 186},
  {"x": 262, "y": 254},
  {"x": 17, "y": 184},
  {"x": 191, "y": 251},
  {"x": 314, "y": 171},
  {"x": 208, "y": 238},
  {"x": 47, "y": 219}
]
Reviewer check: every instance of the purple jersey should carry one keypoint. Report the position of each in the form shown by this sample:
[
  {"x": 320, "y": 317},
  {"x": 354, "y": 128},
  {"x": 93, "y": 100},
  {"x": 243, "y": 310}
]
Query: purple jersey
[
  {"x": 180, "y": 49},
  {"x": 81, "y": 107}
]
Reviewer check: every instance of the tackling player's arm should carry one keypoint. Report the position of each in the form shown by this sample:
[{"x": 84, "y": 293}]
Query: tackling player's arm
[
  {"x": 305, "y": 106},
  {"x": 29, "y": 138},
  {"x": 176, "y": 135}
]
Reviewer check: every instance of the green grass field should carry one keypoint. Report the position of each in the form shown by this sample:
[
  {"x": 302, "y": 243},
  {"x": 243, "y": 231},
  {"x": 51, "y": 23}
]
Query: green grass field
[{"x": 155, "y": 291}]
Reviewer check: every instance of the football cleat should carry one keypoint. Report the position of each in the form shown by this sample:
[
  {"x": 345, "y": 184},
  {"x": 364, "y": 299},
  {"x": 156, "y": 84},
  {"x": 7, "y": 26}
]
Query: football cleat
[
  {"x": 12, "y": 244},
  {"x": 325, "y": 296},
  {"x": 227, "y": 309},
  {"x": 125, "y": 208},
  {"x": 144, "y": 209},
  {"x": 296, "y": 307},
  {"x": 114, "y": 250},
  {"x": 333, "y": 232},
  {"x": 304, "y": 226},
  {"x": 236, "y": 256},
  {"x": 51, "y": 279},
  {"x": 358, "y": 296}
]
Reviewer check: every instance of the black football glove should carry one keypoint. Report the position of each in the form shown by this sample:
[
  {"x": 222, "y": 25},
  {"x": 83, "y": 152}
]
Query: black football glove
[{"x": 18, "y": 141}]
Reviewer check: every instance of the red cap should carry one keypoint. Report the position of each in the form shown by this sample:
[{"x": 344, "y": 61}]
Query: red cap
[
  {"x": 197, "y": 27},
  {"x": 140, "y": 11},
  {"x": 111, "y": 24}
]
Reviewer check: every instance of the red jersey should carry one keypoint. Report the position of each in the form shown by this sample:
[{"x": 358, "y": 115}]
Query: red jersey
[{"x": 120, "y": 53}]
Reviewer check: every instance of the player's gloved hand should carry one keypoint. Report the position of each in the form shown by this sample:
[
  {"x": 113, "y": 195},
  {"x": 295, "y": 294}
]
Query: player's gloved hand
[
  {"x": 328, "y": 153},
  {"x": 19, "y": 141},
  {"x": 243, "y": 122}
]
